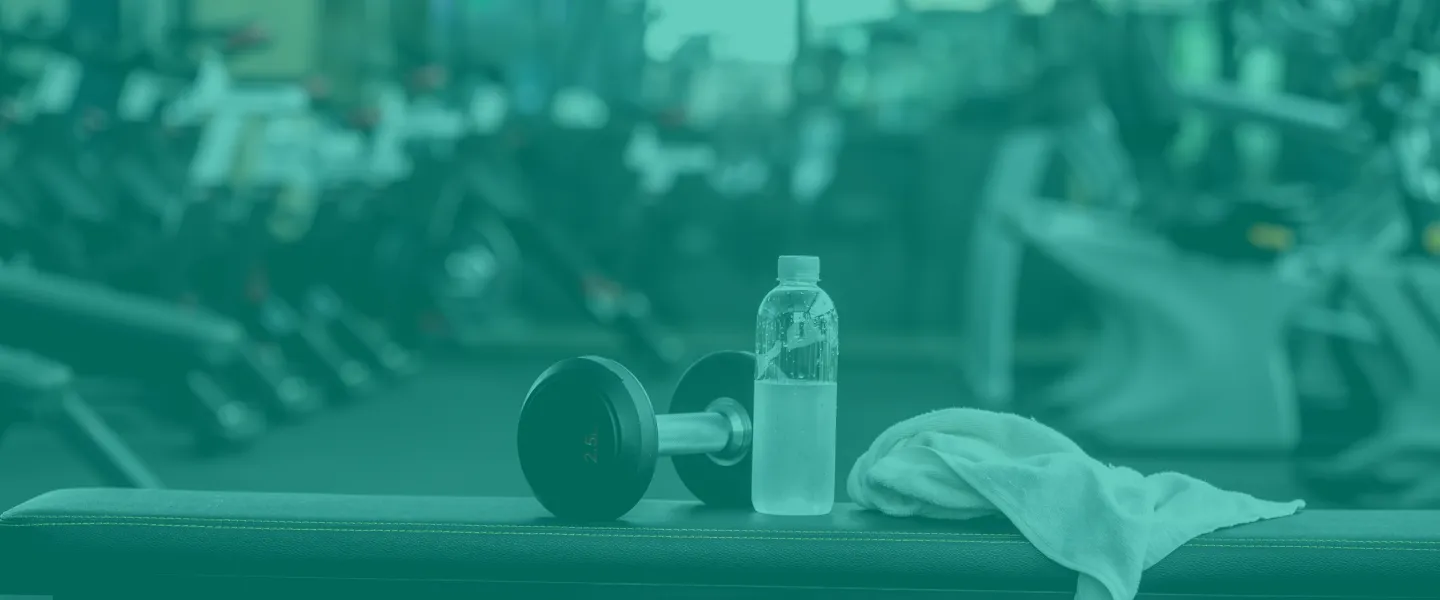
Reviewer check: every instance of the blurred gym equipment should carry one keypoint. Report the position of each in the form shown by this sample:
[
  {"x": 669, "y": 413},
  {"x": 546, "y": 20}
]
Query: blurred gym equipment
[
  {"x": 34, "y": 390},
  {"x": 1165, "y": 371},
  {"x": 1398, "y": 380},
  {"x": 245, "y": 249},
  {"x": 99, "y": 331},
  {"x": 1261, "y": 260}
]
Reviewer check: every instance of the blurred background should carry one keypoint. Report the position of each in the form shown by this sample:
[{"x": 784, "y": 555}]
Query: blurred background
[{"x": 326, "y": 245}]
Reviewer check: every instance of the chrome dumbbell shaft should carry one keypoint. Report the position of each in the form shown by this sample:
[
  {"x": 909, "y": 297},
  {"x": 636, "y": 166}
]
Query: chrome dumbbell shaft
[{"x": 722, "y": 431}]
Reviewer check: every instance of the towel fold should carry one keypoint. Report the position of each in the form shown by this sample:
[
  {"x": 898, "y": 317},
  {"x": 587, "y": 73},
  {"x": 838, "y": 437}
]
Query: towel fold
[{"x": 1105, "y": 522}]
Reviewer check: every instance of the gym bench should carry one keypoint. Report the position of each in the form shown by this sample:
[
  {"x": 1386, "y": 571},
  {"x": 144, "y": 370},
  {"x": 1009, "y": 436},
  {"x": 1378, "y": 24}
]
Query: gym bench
[
  {"x": 93, "y": 543},
  {"x": 183, "y": 354},
  {"x": 93, "y": 328}
]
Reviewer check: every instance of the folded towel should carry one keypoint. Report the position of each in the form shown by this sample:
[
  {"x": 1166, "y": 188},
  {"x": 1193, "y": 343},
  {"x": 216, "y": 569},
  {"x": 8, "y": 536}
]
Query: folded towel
[{"x": 1107, "y": 523}]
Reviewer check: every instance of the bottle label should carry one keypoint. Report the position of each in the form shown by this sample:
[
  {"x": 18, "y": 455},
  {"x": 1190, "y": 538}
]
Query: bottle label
[{"x": 800, "y": 333}]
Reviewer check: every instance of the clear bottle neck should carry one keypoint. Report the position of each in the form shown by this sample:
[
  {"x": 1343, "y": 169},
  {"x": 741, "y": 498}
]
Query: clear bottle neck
[{"x": 793, "y": 282}]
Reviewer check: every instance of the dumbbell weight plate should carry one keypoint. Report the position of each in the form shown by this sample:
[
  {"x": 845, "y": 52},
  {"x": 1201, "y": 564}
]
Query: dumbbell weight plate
[
  {"x": 587, "y": 439},
  {"x": 723, "y": 381}
]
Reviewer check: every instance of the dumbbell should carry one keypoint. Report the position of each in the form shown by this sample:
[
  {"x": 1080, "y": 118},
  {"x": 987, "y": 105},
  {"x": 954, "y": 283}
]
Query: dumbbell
[{"x": 589, "y": 438}]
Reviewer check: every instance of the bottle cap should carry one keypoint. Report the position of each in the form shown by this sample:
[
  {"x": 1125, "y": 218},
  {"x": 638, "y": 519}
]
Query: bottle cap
[{"x": 799, "y": 268}]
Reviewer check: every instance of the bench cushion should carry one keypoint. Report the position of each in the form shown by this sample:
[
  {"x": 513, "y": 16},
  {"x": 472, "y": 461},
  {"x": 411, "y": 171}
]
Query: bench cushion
[{"x": 151, "y": 539}]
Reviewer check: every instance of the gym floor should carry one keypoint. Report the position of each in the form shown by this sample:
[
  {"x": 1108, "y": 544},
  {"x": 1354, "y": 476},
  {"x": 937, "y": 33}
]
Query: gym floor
[{"x": 450, "y": 431}]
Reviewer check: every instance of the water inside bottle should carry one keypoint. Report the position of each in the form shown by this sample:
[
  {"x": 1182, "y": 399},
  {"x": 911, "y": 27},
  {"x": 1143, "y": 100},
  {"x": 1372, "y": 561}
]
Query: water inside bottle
[{"x": 794, "y": 469}]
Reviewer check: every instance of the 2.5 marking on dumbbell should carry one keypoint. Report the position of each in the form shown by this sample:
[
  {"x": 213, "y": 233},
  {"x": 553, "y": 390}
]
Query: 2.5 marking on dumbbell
[{"x": 591, "y": 455}]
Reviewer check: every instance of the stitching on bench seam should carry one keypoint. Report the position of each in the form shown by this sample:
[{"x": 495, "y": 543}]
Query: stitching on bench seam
[
  {"x": 827, "y": 538},
  {"x": 637, "y": 529},
  {"x": 159, "y": 520},
  {"x": 657, "y": 536}
]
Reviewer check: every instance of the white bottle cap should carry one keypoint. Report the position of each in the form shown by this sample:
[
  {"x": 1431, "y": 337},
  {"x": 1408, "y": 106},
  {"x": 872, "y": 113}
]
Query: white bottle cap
[{"x": 799, "y": 268}]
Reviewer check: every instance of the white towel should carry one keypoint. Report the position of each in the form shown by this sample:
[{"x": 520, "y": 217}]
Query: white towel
[{"x": 1107, "y": 523}]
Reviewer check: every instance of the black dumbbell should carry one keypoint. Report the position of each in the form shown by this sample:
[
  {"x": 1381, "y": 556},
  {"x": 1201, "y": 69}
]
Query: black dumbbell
[{"x": 589, "y": 437}]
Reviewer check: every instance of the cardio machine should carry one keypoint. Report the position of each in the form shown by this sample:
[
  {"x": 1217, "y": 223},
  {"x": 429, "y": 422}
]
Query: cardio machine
[
  {"x": 1170, "y": 325},
  {"x": 1191, "y": 349}
]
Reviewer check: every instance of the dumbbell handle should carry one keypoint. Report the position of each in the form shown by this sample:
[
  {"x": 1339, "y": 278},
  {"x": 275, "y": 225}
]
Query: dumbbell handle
[{"x": 696, "y": 433}]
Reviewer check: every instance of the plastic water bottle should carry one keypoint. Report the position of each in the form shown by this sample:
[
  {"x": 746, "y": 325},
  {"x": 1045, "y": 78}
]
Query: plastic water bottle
[{"x": 797, "y": 347}]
